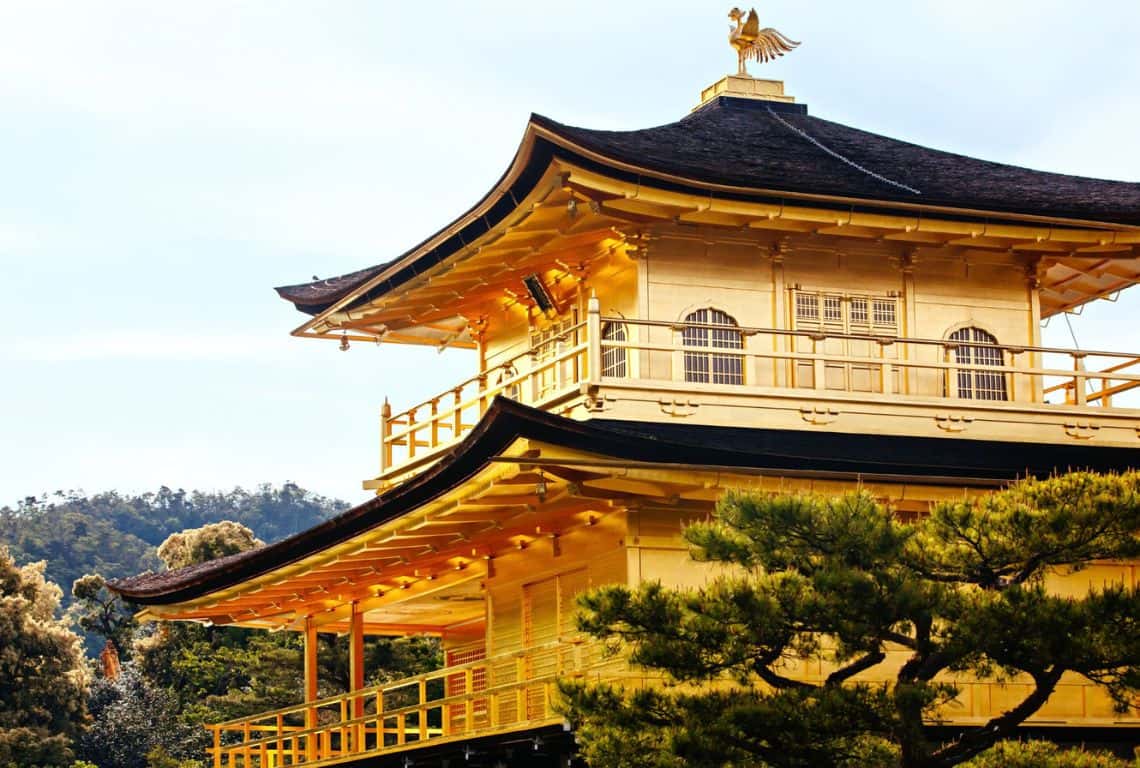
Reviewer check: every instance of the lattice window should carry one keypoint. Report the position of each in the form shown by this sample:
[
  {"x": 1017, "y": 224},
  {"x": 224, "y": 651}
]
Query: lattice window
[
  {"x": 978, "y": 383},
  {"x": 844, "y": 313},
  {"x": 807, "y": 306},
  {"x": 713, "y": 367},
  {"x": 885, "y": 314},
  {"x": 832, "y": 308},
  {"x": 614, "y": 358}
]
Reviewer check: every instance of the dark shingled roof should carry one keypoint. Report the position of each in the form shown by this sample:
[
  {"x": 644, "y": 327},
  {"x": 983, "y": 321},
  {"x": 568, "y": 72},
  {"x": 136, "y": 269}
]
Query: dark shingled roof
[
  {"x": 762, "y": 145},
  {"x": 820, "y": 454},
  {"x": 772, "y": 148}
]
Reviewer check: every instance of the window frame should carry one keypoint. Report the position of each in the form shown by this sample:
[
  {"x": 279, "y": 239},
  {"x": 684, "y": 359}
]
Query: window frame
[
  {"x": 703, "y": 361},
  {"x": 979, "y": 349}
]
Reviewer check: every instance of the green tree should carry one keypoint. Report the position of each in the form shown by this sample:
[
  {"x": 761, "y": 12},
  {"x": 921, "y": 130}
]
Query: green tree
[
  {"x": 101, "y": 612},
  {"x": 130, "y": 718},
  {"x": 838, "y": 583},
  {"x": 1043, "y": 754},
  {"x": 199, "y": 545},
  {"x": 42, "y": 677},
  {"x": 219, "y": 673},
  {"x": 115, "y": 535}
]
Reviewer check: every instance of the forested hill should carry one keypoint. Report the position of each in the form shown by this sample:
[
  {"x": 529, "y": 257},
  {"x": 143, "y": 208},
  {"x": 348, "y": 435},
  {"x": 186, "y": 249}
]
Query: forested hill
[{"x": 116, "y": 535}]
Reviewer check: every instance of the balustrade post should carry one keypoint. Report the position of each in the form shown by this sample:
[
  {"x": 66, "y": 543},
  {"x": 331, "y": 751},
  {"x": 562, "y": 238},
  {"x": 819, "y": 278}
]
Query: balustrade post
[
  {"x": 457, "y": 415},
  {"x": 1079, "y": 393},
  {"x": 886, "y": 370},
  {"x": 593, "y": 340},
  {"x": 385, "y": 434},
  {"x": 818, "y": 369},
  {"x": 217, "y": 745},
  {"x": 410, "y": 439},
  {"x": 379, "y": 720},
  {"x": 469, "y": 708},
  {"x": 520, "y": 693},
  {"x": 482, "y": 394},
  {"x": 433, "y": 430},
  {"x": 950, "y": 375},
  {"x": 281, "y": 740},
  {"x": 1013, "y": 360},
  {"x": 423, "y": 710}
]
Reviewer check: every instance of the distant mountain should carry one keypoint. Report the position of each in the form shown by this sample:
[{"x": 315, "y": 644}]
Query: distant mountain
[{"x": 117, "y": 535}]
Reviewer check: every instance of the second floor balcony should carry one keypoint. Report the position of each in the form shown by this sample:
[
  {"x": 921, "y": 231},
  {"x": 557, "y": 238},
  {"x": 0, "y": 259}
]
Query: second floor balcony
[{"x": 709, "y": 370}]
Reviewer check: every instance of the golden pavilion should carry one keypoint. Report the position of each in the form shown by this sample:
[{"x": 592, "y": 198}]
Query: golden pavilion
[{"x": 749, "y": 297}]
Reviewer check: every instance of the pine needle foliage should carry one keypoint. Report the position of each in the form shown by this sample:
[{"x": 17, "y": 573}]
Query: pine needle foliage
[{"x": 826, "y": 637}]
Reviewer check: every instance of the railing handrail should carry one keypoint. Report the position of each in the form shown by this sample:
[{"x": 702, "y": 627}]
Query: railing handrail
[
  {"x": 451, "y": 408},
  {"x": 552, "y": 371},
  {"x": 504, "y": 366},
  {"x": 402, "y": 683},
  {"x": 377, "y": 716},
  {"x": 859, "y": 359},
  {"x": 876, "y": 337}
]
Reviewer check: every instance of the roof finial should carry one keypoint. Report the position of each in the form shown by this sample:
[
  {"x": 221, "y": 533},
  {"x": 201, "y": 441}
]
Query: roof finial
[{"x": 751, "y": 42}]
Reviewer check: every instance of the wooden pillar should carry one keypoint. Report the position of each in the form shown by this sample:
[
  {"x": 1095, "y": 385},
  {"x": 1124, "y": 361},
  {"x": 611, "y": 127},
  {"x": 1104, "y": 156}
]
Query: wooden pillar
[
  {"x": 385, "y": 430},
  {"x": 594, "y": 340},
  {"x": 356, "y": 657},
  {"x": 310, "y": 685},
  {"x": 1033, "y": 286},
  {"x": 780, "y": 342},
  {"x": 910, "y": 320}
]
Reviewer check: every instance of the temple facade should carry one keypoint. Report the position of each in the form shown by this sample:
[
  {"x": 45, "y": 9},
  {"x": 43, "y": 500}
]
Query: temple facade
[{"x": 750, "y": 297}]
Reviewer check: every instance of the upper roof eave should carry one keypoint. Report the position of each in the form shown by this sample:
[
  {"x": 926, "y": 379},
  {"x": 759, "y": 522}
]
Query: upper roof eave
[{"x": 545, "y": 139}]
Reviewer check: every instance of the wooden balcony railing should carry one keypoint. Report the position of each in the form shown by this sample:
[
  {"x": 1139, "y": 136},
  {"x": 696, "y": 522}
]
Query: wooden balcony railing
[
  {"x": 500, "y": 694},
  {"x": 651, "y": 353},
  {"x": 541, "y": 375}
]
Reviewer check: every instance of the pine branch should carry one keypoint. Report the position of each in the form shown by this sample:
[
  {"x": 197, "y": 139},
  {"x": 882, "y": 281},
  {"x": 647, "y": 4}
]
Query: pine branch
[
  {"x": 863, "y": 664},
  {"x": 978, "y": 740}
]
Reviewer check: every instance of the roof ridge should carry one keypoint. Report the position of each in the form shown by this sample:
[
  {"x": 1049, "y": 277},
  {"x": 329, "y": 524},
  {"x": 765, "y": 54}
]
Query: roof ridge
[{"x": 843, "y": 159}]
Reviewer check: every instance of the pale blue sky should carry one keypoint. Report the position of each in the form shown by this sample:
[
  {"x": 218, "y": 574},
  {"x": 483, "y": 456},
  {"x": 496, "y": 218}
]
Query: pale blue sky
[{"x": 163, "y": 165}]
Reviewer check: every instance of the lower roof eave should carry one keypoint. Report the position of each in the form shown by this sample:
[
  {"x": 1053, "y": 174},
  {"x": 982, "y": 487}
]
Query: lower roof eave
[{"x": 824, "y": 455}]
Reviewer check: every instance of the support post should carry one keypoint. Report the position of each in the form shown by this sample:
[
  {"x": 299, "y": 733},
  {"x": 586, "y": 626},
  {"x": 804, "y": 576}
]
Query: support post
[
  {"x": 356, "y": 672},
  {"x": 1033, "y": 285},
  {"x": 594, "y": 339},
  {"x": 310, "y": 686},
  {"x": 385, "y": 432},
  {"x": 910, "y": 317},
  {"x": 780, "y": 341}
]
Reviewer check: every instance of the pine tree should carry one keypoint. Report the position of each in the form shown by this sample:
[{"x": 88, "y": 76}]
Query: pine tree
[
  {"x": 840, "y": 583},
  {"x": 42, "y": 677}
]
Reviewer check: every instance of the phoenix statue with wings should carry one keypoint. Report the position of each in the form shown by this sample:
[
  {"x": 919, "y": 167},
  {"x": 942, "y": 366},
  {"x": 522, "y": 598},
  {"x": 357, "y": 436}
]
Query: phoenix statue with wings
[{"x": 751, "y": 42}]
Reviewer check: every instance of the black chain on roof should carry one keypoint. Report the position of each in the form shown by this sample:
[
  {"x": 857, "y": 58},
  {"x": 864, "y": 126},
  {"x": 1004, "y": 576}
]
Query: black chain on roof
[{"x": 840, "y": 157}]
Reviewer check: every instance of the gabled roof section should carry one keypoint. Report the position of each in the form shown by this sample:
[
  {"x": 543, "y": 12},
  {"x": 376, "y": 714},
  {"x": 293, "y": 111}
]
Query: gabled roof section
[{"x": 873, "y": 458}]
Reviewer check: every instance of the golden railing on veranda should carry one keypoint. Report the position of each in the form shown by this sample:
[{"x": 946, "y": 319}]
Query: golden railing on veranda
[
  {"x": 509, "y": 692},
  {"x": 742, "y": 360}
]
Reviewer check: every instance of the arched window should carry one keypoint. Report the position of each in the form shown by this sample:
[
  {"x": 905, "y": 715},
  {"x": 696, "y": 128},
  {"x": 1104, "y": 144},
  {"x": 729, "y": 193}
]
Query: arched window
[
  {"x": 709, "y": 366},
  {"x": 977, "y": 383},
  {"x": 613, "y": 358}
]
